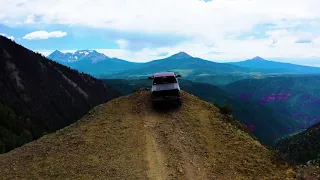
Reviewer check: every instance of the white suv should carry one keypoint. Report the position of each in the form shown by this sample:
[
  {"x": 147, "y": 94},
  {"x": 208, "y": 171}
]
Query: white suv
[{"x": 165, "y": 88}]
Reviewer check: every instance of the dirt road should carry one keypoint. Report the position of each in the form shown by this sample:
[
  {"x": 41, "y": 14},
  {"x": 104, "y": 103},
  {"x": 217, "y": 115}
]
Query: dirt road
[{"x": 127, "y": 139}]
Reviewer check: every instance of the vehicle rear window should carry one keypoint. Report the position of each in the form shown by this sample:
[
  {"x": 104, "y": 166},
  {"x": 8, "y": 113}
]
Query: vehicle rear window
[{"x": 164, "y": 80}]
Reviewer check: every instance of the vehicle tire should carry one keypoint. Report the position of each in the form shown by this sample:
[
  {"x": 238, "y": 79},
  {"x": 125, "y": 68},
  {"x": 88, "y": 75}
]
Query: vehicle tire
[
  {"x": 179, "y": 102},
  {"x": 154, "y": 105}
]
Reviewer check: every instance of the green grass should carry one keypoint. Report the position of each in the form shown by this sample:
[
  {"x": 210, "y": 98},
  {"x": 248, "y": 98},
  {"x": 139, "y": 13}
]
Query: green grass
[{"x": 183, "y": 72}]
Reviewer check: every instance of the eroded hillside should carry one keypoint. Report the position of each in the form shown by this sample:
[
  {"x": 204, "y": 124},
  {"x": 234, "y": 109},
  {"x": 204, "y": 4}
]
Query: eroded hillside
[{"x": 127, "y": 139}]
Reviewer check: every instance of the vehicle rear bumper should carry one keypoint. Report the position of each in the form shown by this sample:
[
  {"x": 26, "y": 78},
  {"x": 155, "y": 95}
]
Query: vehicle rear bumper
[{"x": 166, "y": 99}]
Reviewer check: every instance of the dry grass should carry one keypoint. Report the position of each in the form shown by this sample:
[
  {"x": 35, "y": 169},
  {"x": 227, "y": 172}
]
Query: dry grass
[{"x": 126, "y": 139}]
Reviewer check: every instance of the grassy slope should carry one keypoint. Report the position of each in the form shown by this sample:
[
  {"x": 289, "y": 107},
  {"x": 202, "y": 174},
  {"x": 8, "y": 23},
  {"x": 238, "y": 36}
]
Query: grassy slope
[{"x": 126, "y": 139}]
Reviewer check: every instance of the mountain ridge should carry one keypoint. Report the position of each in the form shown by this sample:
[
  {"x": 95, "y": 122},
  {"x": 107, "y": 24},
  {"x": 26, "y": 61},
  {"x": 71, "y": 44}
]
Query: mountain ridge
[
  {"x": 268, "y": 124},
  {"x": 182, "y": 54},
  {"x": 77, "y": 56},
  {"x": 257, "y": 58},
  {"x": 189, "y": 66},
  {"x": 92, "y": 62},
  {"x": 268, "y": 66},
  {"x": 125, "y": 138},
  {"x": 192, "y": 68}
]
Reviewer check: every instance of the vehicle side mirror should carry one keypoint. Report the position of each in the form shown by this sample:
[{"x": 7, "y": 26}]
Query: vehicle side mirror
[
  {"x": 178, "y": 75},
  {"x": 150, "y": 77}
]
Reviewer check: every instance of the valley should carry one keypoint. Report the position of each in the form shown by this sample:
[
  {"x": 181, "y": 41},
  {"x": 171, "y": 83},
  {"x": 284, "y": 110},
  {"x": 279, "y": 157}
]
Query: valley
[
  {"x": 160, "y": 90},
  {"x": 301, "y": 106},
  {"x": 46, "y": 106}
]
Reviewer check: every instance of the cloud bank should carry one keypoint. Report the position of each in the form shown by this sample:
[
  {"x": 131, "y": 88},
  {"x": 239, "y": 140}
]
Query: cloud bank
[{"x": 216, "y": 30}]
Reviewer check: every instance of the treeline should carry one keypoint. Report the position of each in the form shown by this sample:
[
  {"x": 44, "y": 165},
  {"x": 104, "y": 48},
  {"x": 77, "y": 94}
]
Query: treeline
[{"x": 12, "y": 133}]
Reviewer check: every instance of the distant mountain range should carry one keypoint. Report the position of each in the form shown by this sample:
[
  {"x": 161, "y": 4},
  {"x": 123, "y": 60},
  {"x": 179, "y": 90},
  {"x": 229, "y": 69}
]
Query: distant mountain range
[
  {"x": 183, "y": 64},
  {"x": 192, "y": 68},
  {"x": 77, "y": 56},
  {"x": 259, "y": 64},
  {"x": 40, "y": 96}
]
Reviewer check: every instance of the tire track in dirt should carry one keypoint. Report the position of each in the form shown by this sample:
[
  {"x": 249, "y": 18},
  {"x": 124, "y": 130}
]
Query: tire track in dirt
[
  {"x": 168, "y": 146},
  {"x": 156, "y": 161}
]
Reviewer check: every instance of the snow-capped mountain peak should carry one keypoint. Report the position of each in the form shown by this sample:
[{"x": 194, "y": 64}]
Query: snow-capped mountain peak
[{"x": 93, "y": 55}]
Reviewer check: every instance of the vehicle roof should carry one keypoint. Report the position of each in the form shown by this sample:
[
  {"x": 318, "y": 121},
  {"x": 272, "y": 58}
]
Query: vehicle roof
[{"x": 163, "y": 74}]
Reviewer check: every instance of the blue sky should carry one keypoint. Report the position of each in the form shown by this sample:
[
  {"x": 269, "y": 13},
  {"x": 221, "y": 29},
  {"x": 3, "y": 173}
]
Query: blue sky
[
  {"x": 141, "y": 30},
  {"x": 76, "y": 38}
]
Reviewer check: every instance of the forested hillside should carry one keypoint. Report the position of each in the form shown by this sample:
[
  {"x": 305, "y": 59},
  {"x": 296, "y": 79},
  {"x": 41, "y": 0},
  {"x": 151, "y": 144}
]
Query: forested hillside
[{"x": 39, "y": 96}]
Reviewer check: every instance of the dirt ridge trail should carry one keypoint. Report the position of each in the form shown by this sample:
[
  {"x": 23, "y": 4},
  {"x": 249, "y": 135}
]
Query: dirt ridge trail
[
  {"x": 126, "y": 139},
  {"x": 170, "y": 143}
]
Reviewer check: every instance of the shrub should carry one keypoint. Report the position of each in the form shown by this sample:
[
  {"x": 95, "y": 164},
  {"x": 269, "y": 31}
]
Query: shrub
[
  {"x": 216, "y": 105},
  {"x": 226, "y": 109}
]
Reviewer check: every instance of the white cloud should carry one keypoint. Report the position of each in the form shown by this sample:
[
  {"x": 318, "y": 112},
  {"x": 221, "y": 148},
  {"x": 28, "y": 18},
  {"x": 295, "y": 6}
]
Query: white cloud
[
  {"x": 44, "y": 52},
  {"x": 217, "y": 22},
  {"x": 44, "y": 35},
  {"x": 122, "y": 43},
  {"x": 163, "y": 15},
  {"x": 30, "y": 19},
  {"x": 9, "y": 37},
  {"x": 182, "y": 16}
]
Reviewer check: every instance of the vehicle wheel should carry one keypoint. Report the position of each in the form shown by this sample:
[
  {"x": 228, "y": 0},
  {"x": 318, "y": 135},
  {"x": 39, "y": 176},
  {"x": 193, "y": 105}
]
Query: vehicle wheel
[
  {"x": 179, "y": 102},
  {"x": 154, "y": 105}
]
